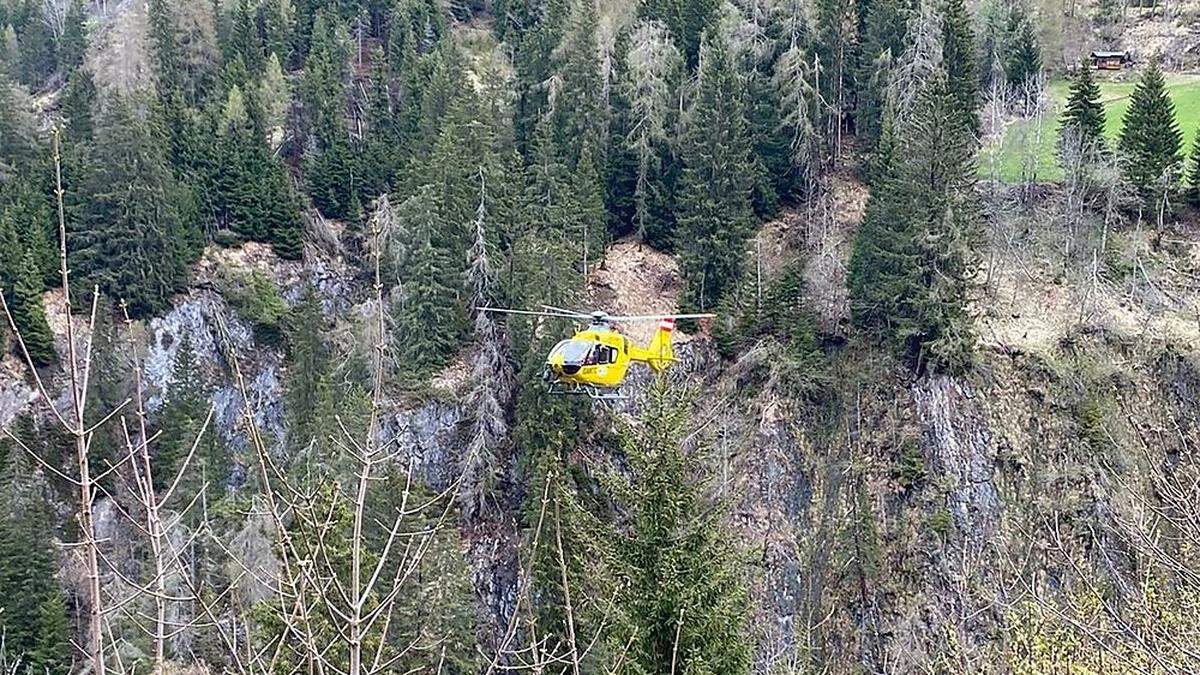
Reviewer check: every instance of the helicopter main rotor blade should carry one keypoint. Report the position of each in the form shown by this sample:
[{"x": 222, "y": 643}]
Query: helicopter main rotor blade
[
  {"x": 552, "y": 308},
  {"x": 658, "y": 317},
  {"x": 526, "y": 312}
]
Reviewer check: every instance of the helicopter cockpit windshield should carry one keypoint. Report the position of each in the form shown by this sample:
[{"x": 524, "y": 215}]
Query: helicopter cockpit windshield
[{"x": 573, "y": 352}]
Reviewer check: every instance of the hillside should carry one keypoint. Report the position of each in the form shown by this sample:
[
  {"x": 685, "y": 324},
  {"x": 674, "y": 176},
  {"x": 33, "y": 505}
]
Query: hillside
[{"x": 940, "y": 413}]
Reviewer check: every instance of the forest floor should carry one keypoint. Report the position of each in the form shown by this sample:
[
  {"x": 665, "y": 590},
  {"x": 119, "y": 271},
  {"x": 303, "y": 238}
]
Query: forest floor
[
  {"x": 1044, "y": 282},
  {"x": 635, "y": 279}
]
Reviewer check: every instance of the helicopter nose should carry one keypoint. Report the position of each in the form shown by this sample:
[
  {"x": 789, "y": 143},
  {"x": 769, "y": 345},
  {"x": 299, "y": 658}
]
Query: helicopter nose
[{"x": 570, "y": 368}]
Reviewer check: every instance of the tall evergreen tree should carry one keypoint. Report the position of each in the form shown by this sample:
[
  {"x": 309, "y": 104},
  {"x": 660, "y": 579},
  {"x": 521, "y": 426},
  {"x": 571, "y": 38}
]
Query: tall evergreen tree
[
  {"x": 1083, "y": 118},
  {"x": 164, "y": 47},
  {"x": 332, "y": 172},
  {"x": 251, "y": 191},
  {"x": 133, "y": 242},
  {"x": 682, "y": 604},
  {"x": 912, "y": 262},
  {"x": 490, "y": 372},
  {"x": 1150, "y": 138},
  {"x": 32, "y": 614},
  {"x": 25, "y": 303},
  {"x": 384, "y": 147},
  {"x": 308, "y": 362},
  {"x": 427, "y": 311},
  {"x": 78, "y": 107},
  {"x": 73, "y": 43},
  {"x": 180, "y": 421},
  {"x": 579, "y": 109},
  {"x": 1194, "y": 177},
  {"x": 52, "y": 651},
  {"x": 959, "y": 57},
  {"x": 835, "y": 43},
  {"x": 713, "y": 212},
  {"x": 620, "y": 167},
  {"x": 588, "y": 228},
  {"x": 1023, "y": 65},
  {"x": 323, "y": 89},
  {"x": 686, "y": 22},
  {"x": 882, "y": 44},
  {"x": 244, "y": 41},
  {"x": 549, "y": 201},
  {"x": 276, "y": 18},
  {"x": 796, "y": 80},
  {"x": 653, "y": 72},
  {"x": 463, "y": 149}
]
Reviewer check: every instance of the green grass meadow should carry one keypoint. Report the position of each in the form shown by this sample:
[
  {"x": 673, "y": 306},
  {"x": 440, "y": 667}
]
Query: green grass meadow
[{"x": 1004, "y": 155}]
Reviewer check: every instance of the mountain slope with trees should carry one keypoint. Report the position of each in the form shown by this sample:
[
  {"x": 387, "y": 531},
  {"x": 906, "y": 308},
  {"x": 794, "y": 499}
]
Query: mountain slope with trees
[{"x": 255, "y": 422}]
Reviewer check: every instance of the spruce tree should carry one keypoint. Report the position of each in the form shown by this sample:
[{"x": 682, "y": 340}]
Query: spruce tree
[
  {"x": 1194, "y": 177},
  {"x": 490, "y": 373},
  {"x": 252, "y": 191},
  {"x": 463, "y": 149},
  {"x": 578, "y": 108},
  {"x": 534, "y": 61},
  {"x": 307, "y": 364},
  {"x": 834, "y": 43},
  {"x": 1023, "y": 65},
  {"x": 653, "y": 71},
  {"x": 37, "y": 56},
  {"x": 427, "y": 312},
  {"x": 882, "y": 44},
  {"x": 244, "y": 41},
  {"x": 73, "y": 43},
  {"x": 912, "y": 264},
  {"x": 1083, "y": 118},
  {"x": 164, "y": 47},
  {"x": 713, "y": 212},
  {"x": 276, "y": 17},
  {"x": 549, "y": 201},
  {"x": 10, "y": 52},
  {"x": 52, "y": 652},
  {"x": 384, "y": 150},
  {"x": 332, "y": 172},
  {"x": 959, "y": 57},
  {"x": 620, "y": 168},
  {"x": 133, "y": 242},
  {"x": 796, "y": 81},
  {"x": 1150, "y": 138},
  {"x": 32, "y": 622},
  {"x": 180, "y": 421},
  {"x": 774, "y": 178},
  {"x": 589, "y": 216},
  {"x": 686, "y": 22},
  {"x": 681, "y": 598},
  {"x": 78, "y": 107},
  {"x": 25, "y": 303}
]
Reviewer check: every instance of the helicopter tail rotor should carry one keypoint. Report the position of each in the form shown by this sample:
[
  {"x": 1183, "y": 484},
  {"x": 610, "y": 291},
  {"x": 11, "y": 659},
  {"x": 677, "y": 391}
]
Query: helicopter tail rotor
[{"x": 662, "y": 353}]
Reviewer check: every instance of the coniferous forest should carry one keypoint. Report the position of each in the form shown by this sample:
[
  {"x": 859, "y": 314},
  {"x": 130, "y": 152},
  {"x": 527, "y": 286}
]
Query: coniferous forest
[{"x": 945, "y": 416}]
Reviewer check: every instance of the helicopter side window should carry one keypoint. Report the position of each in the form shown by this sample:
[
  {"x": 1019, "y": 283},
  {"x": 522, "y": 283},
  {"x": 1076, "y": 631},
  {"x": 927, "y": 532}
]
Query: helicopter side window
[{"x": 605, "y": 355}]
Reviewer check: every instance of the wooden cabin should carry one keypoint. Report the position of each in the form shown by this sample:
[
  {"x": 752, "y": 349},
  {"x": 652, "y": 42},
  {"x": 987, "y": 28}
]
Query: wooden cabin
[{"x": 1111, "y": 60}]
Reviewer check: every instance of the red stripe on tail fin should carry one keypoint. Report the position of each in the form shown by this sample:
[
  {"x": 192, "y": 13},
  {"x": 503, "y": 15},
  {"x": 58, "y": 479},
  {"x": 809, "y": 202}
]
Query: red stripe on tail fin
[{"x": 667, "y": 324}]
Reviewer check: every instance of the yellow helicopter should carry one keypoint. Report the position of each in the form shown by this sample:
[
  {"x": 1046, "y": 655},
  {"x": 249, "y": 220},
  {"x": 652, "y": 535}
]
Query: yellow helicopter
[{"x": 595, "y": 361}]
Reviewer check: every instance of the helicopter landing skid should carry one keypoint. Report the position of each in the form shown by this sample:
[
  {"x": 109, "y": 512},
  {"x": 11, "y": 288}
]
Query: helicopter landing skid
[{"x": 561, "y": 388}]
